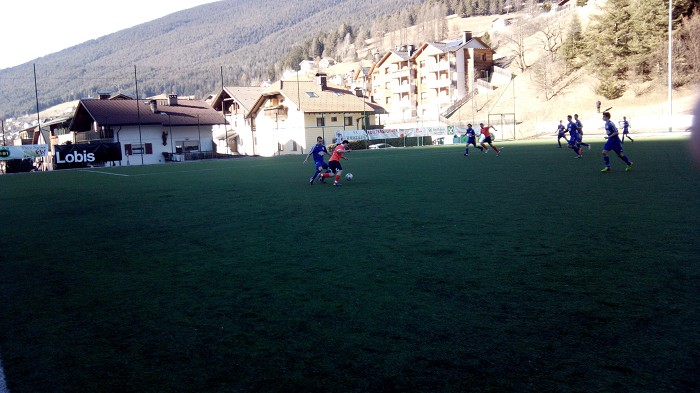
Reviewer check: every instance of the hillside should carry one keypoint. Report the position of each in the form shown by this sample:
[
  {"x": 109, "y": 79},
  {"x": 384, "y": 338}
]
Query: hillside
[
  {"x": 185, "y": 52},
  {"x": 177, "y": 53},
  {"x": 646, "y": 105}
]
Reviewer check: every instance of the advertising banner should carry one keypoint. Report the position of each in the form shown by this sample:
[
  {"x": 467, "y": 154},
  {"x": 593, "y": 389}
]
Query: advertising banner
[
  {"x": 82, "y": 155},
  {"x": 24, "y": 151},
  {"x": 388, "y": 133}
]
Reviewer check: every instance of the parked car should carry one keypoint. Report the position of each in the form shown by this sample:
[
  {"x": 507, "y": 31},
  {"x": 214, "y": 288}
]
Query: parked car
[{"x": 380, "y": 146}]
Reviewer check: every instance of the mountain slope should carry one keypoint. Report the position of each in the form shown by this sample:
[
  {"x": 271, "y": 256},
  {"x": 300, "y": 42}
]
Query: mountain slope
[{"x": 184, "y": 52}]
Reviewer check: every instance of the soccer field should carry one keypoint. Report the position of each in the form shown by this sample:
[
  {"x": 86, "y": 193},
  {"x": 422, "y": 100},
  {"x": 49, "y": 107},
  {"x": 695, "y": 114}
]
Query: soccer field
[{"x": 429, "y": 272}]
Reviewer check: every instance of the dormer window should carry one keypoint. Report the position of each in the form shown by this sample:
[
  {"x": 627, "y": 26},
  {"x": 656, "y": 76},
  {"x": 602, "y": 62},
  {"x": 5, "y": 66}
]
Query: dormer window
[{"x": 311, "y": 94}]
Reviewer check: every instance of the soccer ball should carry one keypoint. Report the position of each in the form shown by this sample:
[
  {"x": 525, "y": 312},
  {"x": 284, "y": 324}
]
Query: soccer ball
[{"x": 348, "y": 177}]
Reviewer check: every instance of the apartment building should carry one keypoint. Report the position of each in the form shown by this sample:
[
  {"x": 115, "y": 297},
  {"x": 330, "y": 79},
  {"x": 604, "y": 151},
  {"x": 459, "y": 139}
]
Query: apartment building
[
  {"x": 393, "y": 84},
  {"x": 421, "y": 84},
  {"x": 447, "y": 72}
]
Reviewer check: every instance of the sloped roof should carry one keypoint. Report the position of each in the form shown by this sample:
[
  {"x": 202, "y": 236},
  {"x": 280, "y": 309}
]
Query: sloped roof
[
  {"x": 453, "y": 46},
  {"x": 245, "y": 95},
  {"x": 309, "y": 97},
  {"x": 133, "y": 112},
  {"x": 404, "y": 55}
]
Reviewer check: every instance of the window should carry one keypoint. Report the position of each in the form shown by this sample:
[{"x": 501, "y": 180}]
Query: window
[
  {"x": 133, "y": 149},
  {"x": 334, "y": 119},
  {"x": 483, "y": 57},
  {"x": 188, "y": 145},
  {"x": 294, "y": 146},
  {"x": 348, "y": 120},
  {"x": 320, "y": 122},
  {"x": 311, "y": 94}
]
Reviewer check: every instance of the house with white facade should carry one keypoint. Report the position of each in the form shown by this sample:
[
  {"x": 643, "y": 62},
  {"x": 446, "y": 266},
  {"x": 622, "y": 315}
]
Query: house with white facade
[
  {"x": 290, "y": 114},
  {"x": 148, "y": 131},
  {"x": 236, "y": 135}
]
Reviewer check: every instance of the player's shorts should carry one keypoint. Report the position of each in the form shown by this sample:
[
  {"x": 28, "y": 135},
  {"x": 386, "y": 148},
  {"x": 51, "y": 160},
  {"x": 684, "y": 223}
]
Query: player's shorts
[
  {"x": 471, "y": 140},
  {"x": 335, "y": 166},
  {"x": 487, "y": 139},
  {"x": 572, "y": 141},
  {"x": 613, "y": 144},
  {"x": 321, "y": 164},
  {"x": 561, "y": 136}
]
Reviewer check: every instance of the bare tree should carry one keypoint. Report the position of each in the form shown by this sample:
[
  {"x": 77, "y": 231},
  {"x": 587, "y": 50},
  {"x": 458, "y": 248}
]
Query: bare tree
[
  {"x": 515, "y": 38},
  {"x": 550, "y": 33},
  {"x": 688, "y": 45},
  {"x": 551, "y": 76}
]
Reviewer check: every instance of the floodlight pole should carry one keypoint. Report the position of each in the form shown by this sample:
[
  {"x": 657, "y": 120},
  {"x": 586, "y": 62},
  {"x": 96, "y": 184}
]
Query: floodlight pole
[
  {"x": 36, "y": 96},
  {"x": 223, "y": 111},
  {"x": 138, "y": 113},
  {"x": 670, "y": 65},
  {"x": 170, "y": 126},
  {"x": 514, "y": 134}
]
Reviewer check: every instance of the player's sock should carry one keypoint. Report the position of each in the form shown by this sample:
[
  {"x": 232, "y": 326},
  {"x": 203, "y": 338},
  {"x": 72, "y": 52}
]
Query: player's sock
[
  {"x": 495, "y": 149},
  {"x": 626, "y": 160},
  {"x": 315, "y": 174},
  {"x": 607, "y": 161},
  {"x": 337, "y": 178},
  {"x": 466, "y": 152}
]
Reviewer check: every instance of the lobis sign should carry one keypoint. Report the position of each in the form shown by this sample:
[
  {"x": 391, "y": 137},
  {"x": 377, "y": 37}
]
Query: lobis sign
[{"x": 82, "y": 155}]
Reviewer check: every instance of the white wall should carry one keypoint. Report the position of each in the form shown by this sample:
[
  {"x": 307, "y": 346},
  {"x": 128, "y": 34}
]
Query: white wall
[{"x": 153, "y": 135}]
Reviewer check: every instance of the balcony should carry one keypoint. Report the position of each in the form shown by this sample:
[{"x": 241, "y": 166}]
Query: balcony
[
  {"x": 278, "y": 112},
  {"x": 441, "y": 66},
  {"x": 440, "y": 83},
  {"x": 405, "y": 88},
  {"x": 402, "y": 73},
  {"x": 94, "y": 136}
]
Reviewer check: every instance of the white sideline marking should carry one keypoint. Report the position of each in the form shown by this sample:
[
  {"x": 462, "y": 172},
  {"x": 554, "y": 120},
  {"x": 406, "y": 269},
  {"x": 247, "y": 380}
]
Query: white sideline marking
[
  {"x": 3, "y": 384},
  {"x": 107, "y": 173}
]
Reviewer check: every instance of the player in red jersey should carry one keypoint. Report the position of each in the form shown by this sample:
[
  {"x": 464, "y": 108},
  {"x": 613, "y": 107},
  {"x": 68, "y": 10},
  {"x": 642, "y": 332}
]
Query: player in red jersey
[
  {"x": 487, "y": 138},
  {"x": 334, "y": 162}
]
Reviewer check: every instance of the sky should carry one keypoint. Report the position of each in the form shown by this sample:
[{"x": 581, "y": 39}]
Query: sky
[{"x": 32, "y": 29}]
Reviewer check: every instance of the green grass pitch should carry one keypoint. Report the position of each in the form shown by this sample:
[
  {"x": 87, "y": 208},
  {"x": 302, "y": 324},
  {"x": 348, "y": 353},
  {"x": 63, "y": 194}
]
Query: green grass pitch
[{"x": 429, "y": 272}]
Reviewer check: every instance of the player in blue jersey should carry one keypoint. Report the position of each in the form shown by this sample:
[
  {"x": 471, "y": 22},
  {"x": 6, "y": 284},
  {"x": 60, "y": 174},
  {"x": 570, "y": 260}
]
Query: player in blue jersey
[
  {"x": 625, "y": 130},
  {"x": 561, "y": 133},
  {"x": 471, "y": 139},
  {"x": 579, "y": 126},
  {"x": 613, "y": 143},
  {"x": 573, "y": 136},
  {"x": 318, "y": 152}
]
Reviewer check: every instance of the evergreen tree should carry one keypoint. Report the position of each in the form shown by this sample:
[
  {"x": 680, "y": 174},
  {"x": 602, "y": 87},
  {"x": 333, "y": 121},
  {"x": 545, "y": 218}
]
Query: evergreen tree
[
  {"x": 464, "y": 10},
  {"x": 648, "y": 32},
  {"x": 608, "y": 45},
  {"x": 573, "y": 43}
]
